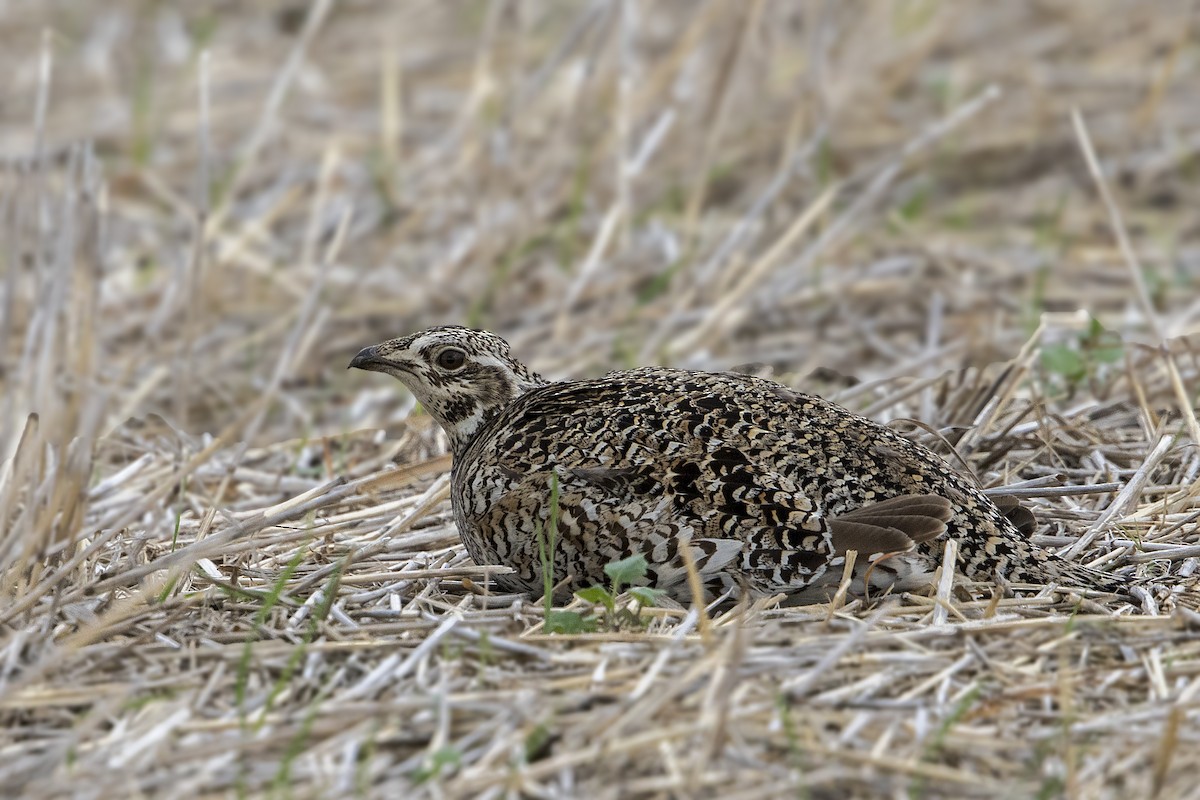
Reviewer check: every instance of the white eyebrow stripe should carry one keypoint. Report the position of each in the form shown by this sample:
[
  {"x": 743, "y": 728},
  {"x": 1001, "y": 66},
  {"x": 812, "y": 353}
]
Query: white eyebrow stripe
[
  {"x": 422, "y": 344},
  {"x": 489, "y": 360}
]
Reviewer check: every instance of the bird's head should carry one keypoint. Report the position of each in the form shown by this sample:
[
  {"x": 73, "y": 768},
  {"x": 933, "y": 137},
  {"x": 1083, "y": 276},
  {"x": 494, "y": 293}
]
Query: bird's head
[{"x": 462, "y": 377}]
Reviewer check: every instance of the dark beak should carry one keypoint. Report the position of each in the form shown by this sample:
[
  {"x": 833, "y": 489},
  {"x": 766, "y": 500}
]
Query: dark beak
[{"x": 367, "y": 358}]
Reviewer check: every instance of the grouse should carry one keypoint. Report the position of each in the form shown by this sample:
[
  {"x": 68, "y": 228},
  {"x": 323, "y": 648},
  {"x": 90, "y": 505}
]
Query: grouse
[{"x": 766, "y": 487}]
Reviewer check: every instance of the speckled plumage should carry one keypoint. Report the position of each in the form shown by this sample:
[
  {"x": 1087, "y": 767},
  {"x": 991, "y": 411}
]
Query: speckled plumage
[{"x": 768, "y": 487}]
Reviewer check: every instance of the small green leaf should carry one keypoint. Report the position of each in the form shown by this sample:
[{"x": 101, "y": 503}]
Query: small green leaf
[
  {"x": 1103, "y": 346},
  {"x": 558, "y": 621},
  {"x": 658, "y": 284},
  {"x": 914, "y": 206},
  {"x": 1064, "y": 360},
  {"x": 440, "y": 759},
  {"x": 596, "y": 595},
  {"x": 1108, "y": 355},
  {"x": 627, "y": 571},
  {"x": 646, "y": 595},
  {"x": 537, "y": 743}
]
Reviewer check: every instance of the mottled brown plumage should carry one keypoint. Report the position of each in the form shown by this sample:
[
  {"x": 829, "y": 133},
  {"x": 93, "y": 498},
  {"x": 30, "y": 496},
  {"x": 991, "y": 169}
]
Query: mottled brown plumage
[{"x": 767, "y": 487}]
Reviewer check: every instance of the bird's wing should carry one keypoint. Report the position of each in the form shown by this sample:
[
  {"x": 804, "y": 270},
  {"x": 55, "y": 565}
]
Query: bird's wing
[
  {"x": 642, "y": 476},
  {"x": 893, "y": 525},
  {"x": 598, "y": 515}
]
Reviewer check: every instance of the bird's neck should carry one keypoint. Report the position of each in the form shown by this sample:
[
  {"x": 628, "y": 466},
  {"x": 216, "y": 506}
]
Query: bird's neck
[{"x": 464, "y": 420}]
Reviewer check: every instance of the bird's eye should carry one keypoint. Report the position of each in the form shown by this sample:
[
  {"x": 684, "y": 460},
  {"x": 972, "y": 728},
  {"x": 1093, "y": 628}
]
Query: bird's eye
[{"x": 451, "y": 359}]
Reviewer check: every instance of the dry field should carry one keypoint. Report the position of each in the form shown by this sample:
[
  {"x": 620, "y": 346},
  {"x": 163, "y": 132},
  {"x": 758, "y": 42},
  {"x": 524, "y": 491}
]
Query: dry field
[{"x": 228, "y": 566}]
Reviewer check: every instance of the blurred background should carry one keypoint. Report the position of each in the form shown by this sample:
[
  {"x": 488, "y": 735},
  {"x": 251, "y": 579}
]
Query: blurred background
[{"x": 203, "y": 202}]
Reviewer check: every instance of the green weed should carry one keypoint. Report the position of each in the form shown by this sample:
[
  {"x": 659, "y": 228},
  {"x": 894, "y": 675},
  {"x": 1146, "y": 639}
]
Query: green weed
[
  {"x": 1079, "y": 359},
  {"x": 624, "y": 573},
  {"x": 439, "y": 760}
]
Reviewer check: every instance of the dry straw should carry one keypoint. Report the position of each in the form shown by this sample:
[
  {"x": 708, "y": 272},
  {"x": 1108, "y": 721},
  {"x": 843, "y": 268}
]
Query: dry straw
[{"x": 229, "y": 568}]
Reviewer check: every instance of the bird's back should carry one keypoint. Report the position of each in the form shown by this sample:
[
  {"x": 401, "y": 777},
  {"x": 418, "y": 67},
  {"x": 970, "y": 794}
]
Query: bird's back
[{"x": 747, "y": 470}]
